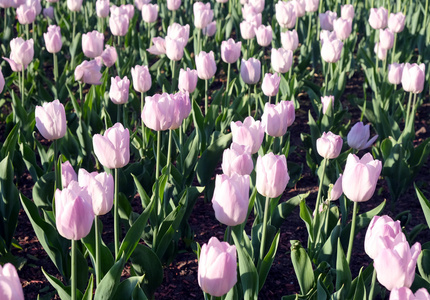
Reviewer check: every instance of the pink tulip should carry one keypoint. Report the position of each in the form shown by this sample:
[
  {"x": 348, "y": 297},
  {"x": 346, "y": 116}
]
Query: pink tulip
[
  {"x": 88, "y": 72},
  {"x": 205, "y": 64},
  {"x": 36, "y": 4},
  {"x": 141, "y": 78},
  {"x": 382, "y": 233},
  {"x": 173, "y": 4},
  {"x": 158, "y": 112},
  {"x": 264, "y": 35},
  {"x": 277, "y": 118},
  {"x": 129, "y": 10},
  {"x": 150, "y": 13},
  {"x": 311, "y": 5},
  {"x": 52, "y": 1},
  {"x": 405, "y": 293},
  {"x": 395, "y": 267},
  {"x": 395, "y": 72},
  {"x": 386, "y": 38},
  {"x": 285, "y": 14},
  {"x": 52, "y": 39},
  {"x": 21, "y": 53},
  {"x": 336, "y": 191},
  {"x": 179, "y": 33},
  {"x": 231, "y": 198},
  {"x": 187, "y": 80},
  {"x": 73, "y": 212},
  {"x": 230, "y": 51},
  {"x": 347, "y": 12},
  {"x": 26, "y": 14},
  {"x": 413, "y": 78},
  {"x": 92, "y": 44},
  {"x": 248, "y": 11},
  {"x": 119, "y": 11},
  {"x": 217, "y": 272},
  {"x": 174, "y": 49},
  {"x": 10, "y": 285},
  {"x": 51, "y": 120},
  {"x": 331, "y": 50},
  {"x": 270, "y": 85},
  {"x": 247, "y": 30},
  {"x": 380, "y": 51},
  {"x": 378, "y": 18},
  {"x": 327, "y": 19},
  {"x": 250, "y": 70},
  {"x": 326, "y": 35},
  {"x": 109, "y": 56},
  {"x": 342, "y": 28},
  {"x": 68, "y": 174},
  {"x": 74, "y": 5},
  {"x": 100, "y": 187},
  {"x": 299, "y": 7},
  {"x": 140, "y": 3},
  {"x": 396, "y": 22},
  {"x": 258, "y": 5},
  {"x": 358, "y": 137},
  {"x": 16, "y": 3},
  {"x": 203, "y": 14},
  {"x": 360, "y": 177},
  {"x": 112, "y": 148},
  {"x": 329, "y": 145},
  {"x": 222, "y": 1},
  {"x": 290, "y": 40},
  {"x": 118, "y": 24},
  {"x": 158, "y": 47},
  {"x": 281, "y": 60},
  {"x": 6, "y": 3},
  {"x": 119, "y": 90},
  {"x": 237, "y": 159},
  {"x": 255, "y": 19},
  {"x": 182, "y": 108},
  {"x": 48, "y": 12},
  {"x": 326, "y": 101},
  {"x": 102, "y": 8},
  {"x": 210, "y": 29},
  {"x": 272, "y": 175},
  {"x": 2, "y": 81},
  {"x": 249, "y": 133}
]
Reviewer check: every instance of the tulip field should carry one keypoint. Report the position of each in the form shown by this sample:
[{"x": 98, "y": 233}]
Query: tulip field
[{"x": 228, "y": 149}]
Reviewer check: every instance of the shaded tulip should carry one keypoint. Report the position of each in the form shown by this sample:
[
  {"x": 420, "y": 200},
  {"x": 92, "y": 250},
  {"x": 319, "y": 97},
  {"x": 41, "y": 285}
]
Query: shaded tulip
[
  {"x": 277, "y": 118},
  {"x": 141, "y": 78},
  {"x": 112, "y": 148},
  {"x": 311, "y": 5},
  {"x": 21, "y": 52},
  {"x": 378, "y": 18},
  {"x": 395, "y": 72},
  {"x": 140, "y": 3},
  {"x": 210, "y": 29},
  {"x": 230, "y": 51},
  {"x": 360, "y": 177},
  {"x": 380, "y": 51},
  {"x": 331, "y": 50},
  {"x": 48, "y": 12},
  {"x": 217, "y": 272},
  {"x": 179, "y": 33},
  {"x": 249, "y": 133},
  {"x": 395, "y": 267},
  {"x": 342, "y": 28},
  {"x": 182, "y": 108},
  {"x": 272, "y": 175},
  {"x": 51, "y": 120},
  {"x": 231, "y": 198},
  {"x": 326, "y": 101},
  {"x": 73, "y": 212},
  {"x": 174, "y": 49},
  {"x": 109, "y": 56},
  {"x": 74, "y": 5},
  {"x": 119, "y": 90},
  {"x": 26, "y": 14},
  {"x": 203, "y": 14},
  {"x": 158, "y": 47},
  {"x": 290, "y": 40},
  {"x": 92, "y": 44},
  {"x": 187, "y": 80},
  {"x": 52, "y": 39},
  {"x": 386, "y": 38},
  {"x": 150, "y": 13},
  {"x": 347, "y": 12},
  {"x": 336, "y": 191},
  {"x": 173, "y": 4},
  {"x": 10, "y": 285},
  {"x": 237, "y": 159},
  {"x": 270, "y": 85},
  {"x": 205, "y": 64},
  {"x": 102, "y": 8},
  {"x": 250, "y": 70},
  {"x": 6, "y": 3},
  {"x": 405, "y": 293},
  {"x": 118, "y": 24},
  {"x": 329, "y": 145},
  {"x": 158, "y": 111},
  {"x": 88, "y": 72},
  {"x": 382, "y": 233},
  {"x": 358, "y": 136},
  {"x": 285, "y": 14},
  {"x": 327, "y": 19},
  {"x": 68, "y": 174},
  {"x": 413, "y": 77},
  {"x": 396, "y": 22},
  {"x": 281, "y": 60},
  {"x": 264, "y": 35},
  {"x": 247, "y": 30},
  {"x": 100, "y": 187}
]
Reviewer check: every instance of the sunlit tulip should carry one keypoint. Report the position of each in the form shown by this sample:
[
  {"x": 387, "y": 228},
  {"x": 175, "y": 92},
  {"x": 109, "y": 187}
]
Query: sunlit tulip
[
  {"x": 2, "y": 81},
  {"x": 102, "y": 8},
  {"x": 326, "y": 101},
  {"x": 157, "y": 114},
  {"x": 255, "y": 19},
  {"x": 299, "y": 8},
  {"x": 112, "y": 148},
  {"x": 52, "y": 39},
  {"x": 92, "y": 44},
  {"x": 272, "y": 175},
  {"x": 51, "y": 120},
  {"x": 290, "y": 40},
  {"x": 109, "y": 56},
  {"x": 264, "y": 35},
  {"x": 237, "y": 159},
  {"x": 26, "y": 14},
  {"x": 358, "y": 136},
  {"x": 141, "y": 78},
  {"x": 249, "y": 133},
  {"x": 281, "y": 60},
  {"x": 205, "y": 64},
  {"x": 336, "y": 191},
  {"x": 331, "y": 50},
  {"x": 380, "y": 51},
  {"x": 180, "y": 33},
  {"x": 396, "y": 22},
  {"x": 140, "y": 3},
  {"x": 88, "y": 72},
  {"x": 74, "y": 5},
  {"x": 248, "y": 11},
  {"x": 68, "y": 174},
  {"x": 378, "y": 18},
  {"x": 173, "y": 4},
  {"x": 174, "y": 49},
  {"x": 405, "y": 293},
  {"x": 158, "y": 47},
  {"x": 21, "y": 53},
  {"x": 413, "y": 77},
  {"x": 326, "y": 35},
  {"x": 119, "y": 90},
  {"x": 270, "y": 85},
  {"x": 247, "y": 30},
  {"x": 329, "y": 145},
  {"x": 230, "y": 51},
  {"x": 203, "y": 14},
  {"x": 100, "y": 187},
  {"x": 312, "y": 5},
  {"x": 347, "y": 12},
  {"x": 187, "y": 80},
  {"x": 118, "y": 24},
  {"x": 258, "y": 5},
  {"x": 277, "y": 118},
  {"x": 327, "y": 19},
  {"x": 10, "y": 285},
  {"x": 342, "y": 28},
  {"x": 129, "y": 9},
  {"x": 285, "y": 14},
  {"x": 181, "y": 108},
  {"x": 150, "y": 13},
  {"x": 395, "y": 72},
  {"x": 250, "y": 70},
  {"x": 386, "y": 38}
]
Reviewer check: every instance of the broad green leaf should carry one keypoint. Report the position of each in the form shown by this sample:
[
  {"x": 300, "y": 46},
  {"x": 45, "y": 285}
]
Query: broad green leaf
[
  {"x": 107, "y": 287},
  {"x": 423, "y": 264},
  {"x": 343, "y": 273},
  {"x": 267, "y": 261},
  {"x": 302, "y": 266},
  {"x": 425, "y": 204}
]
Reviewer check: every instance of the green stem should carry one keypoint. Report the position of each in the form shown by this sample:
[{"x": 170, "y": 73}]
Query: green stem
[
  {"x": 74, "y": 270},
  {"x": 72, "y": 65},
  {"x": 199, "y": 32},
  {"x": 264, "y": 233},
  {"x": 181, "y": 141},
  {"x": 372, "y": 287},
  {"x": 118, "y": 64},
  {"x": 115, "y": 216},
  {"x": 309, "y": 29},
  {"x": 256, "y": 102},
  {"x": 169, "y": 151},
  {"x": 268, "y": 101},
  {"x": 56, "y": 74},
  {"x": 22, "y": 83},
  {"x": 228, "y": 77},
  {"x": 206, "y": 97},
  {"x": 157, "y": 176},
  {"x": 58, "y": 184},
  {"x": 142, "y": 104},
  {"x": 318, "y": 202},
  {"x": 352, "y": 234},
  {"x": 326, "y": 79},
  {"x": 408, "y": 110},
  {"x": 98, "y": 254},
  {"x": 377, "y": 54},
  {"x": 229, "y": 234},
  {"x": 27, "y": 34},
  {"x": 34, "y": 32},
  {"x": 173, "y": 76},
  {"x": 393, "y": 52},
  {"x": 118, "y": 113},
  {"x": 82, "y": 101},
  {"x": 249, "y": 100}
]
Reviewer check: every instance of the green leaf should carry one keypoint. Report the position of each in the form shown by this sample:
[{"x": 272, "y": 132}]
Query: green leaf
[
  {"x": 89, "y": 291},
  {"x": 284, "y": 209},
  {"x": 9, "y": 144},
  {"x": 63, "y": 291},
  {"x": 423, "y": 264},
  {"x": 425, "y": 204},
  {"x": 126, "y": 288},
  {"x": 267, "y": 261},
  {"x": 360, "y": 289},
  {"x": 302, "y": 266},
  {"x": 43, "y": 191},
  {"x": 107, "y": 287},
  {"x": 343, "y": 273},
  {"x": 306, "y": 215}
]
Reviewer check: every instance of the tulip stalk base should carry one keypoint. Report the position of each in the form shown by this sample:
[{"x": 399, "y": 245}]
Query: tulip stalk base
[
  {"x": 98, "y": 254},
  {"x": 318, "y": 202},
  {"x": 115, "y": 216},
  {"x": 56, "y": 74},
  {"x": 206, "y": 97},
  {"x": 74, "y": 271},
  {"x": 352, "y": 234},
  {"x": 264, "y": 232}
]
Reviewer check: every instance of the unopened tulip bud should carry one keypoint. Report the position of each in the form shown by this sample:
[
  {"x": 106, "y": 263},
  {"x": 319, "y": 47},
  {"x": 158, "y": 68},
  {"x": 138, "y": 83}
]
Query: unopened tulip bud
[
  {"x": 272, "y": 175},
  {"x": 326, "y": 101},
  {"x": 51, "y": 120},
  {"x": 413, "y": 77},
  {"x": 100, "y": 187},
  {"x": 336, "y": 190},
  {"x": 158, "y": 112},
  {"x": 26, "y": 14},
  {"x": 396, "y": 22},
  {"x": 182, "y": 108},
  {"x": 281, "y": 60},
  {"x": 277, "y": 118},
  {"x": 386, "y": 38},
  {"x": 92, "y": 44},
  {"x": 331, "y": 50},
  {"x": 102, "y": 8},
  {"x": 249, "y": 133},
  {"x": 380, "y": 51},
  {"x": 342, "y": 28},
  {"x": 203, "y": 14},
  {"x": 187, "y": 80},
  {"x": 395, "y": 72},
  {"x": 290, "y": 40},
  {"x": 264, "y": 35},
  {"x": 285, "y": 14},
  {"x": 52, "y": 39},
  {"x": 205, "y": 64},
  {"x": 174, "y": 49},
  {"x": 247, "y": 30},
  {"x": 68, "y": 174},
  {"x": 312, "y": 5},
  {"x": 150, "y": 13},
  {"x": 378, "y": 18},
  {"x": 112, "y": 148},
  {"x": 74, "y": 5},
  {"x": 230, "y": 51},
  {"x": 173, "y": 4},
  {"x": 118, "y": 24},
  {"x": 88, "y": 72},
  {"x": 347, "y": 12},
  {"x": 141, "y": 78},
  {"x": 270, "y": 85},
  {"x": 119, "y": 90},
  {"x": 329, "y": 145},
  {"x": 250, "y": 70}
]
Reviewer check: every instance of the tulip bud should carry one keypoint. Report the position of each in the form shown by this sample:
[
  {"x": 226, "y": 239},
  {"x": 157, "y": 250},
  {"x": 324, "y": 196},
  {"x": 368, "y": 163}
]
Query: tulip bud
[
  {"x": 250, "y": 70},
  {"x": 92, "y": 44},
  {"x": 285, "y": 14},
  {"x": 210, "y": 29},
  {"x": 74, "y": 5},
  {"x": 329, "y": 145},
  {"x": 255, "y": 20},
  {"x": 2, "y": 82},
  {"x": 187, "y": 80},
  {"x": 395, "y": 72},
  {"x": 26, "y": 14},
  {"x": 386, "y": 38},
  {"x": 203, "y": 14},
  {"x": 118, "y": 24},
  {"x": 48, "y": 12},
  {"x": 158, "y": 47},
  {"x": 230, "y": 51},
  {"x": 248, "y": 11},
  {"x": 51, "y": 120},
  {"x": 258, "y": 5},
  {"x": 100, "y": 187},
  {"x": 21, "y": 52},
  {"x": 119, "y": 90},
  {"x": 272, "y": 175},
  {"x": 179, "y": 33},
  {"x": 140, "y": 3},
  {"x": 173, "y": 4},
  {"x": 11, "y": 288},
  {"x": 270, "y": 85},
  {"x": 378, "y": 18},
  {"x": 326, "y": 35},
  {"x": 141, "y": 78},
  {"x": 182, "y": 108},
  {"x": 281, "y": 60},
  {"x": 413, "y": 78},
  {"x": 68, "y": 174},
  {"x": 299, "y": 8},
  {"x": 290, "y": 40},
  {"x": 217, "y": 272},
  {"x": 396, "y": 22},
  {"x": 358, "y": 137},
  {"x": 109, "y": 56},
  {"x": 158, "y": 111},
  {"x": 264, "y": 35},
  {"x": 112, "y": 148},
  {"x": 205, "y": 64},
  {"x": 342, "y": 28},
  {"x": 102, "y": 8},
  {"x": 347, "y": 12},
  {"x": 53, "y": 39},
  {"x": 326, "y": 101},
  {"x": 277, "y": 118},
  {"x": 336, "y": 190},
  {"x": 312, "y": 5},
  {"x": 247, "y": 30},
  {"x": 237, "y": 159},
  {"x": 249, "y": 133},
  {"x": 174, "y": 49},
  {"x": 380, "y": 51},
  {"x": 327, "y": 19},
  {"x": 88, "y": 72},
  {"x": 150, "y": 13},
  {"x": 360, "y": 177},
  {"x": 405, "y": 293},
  {"x": 331, "y": 50}
]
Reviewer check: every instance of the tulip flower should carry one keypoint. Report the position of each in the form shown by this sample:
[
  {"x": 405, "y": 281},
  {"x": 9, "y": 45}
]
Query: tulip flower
[
  {"x": 187, "y": 80},
  {"x": 272, "y": 175},
  {"x": 140, "y": 3},
  {"x": 327, "y": 19},
  {"x": 68, "y": 174},
  {"x": 2, "y": 82},
  {"x": 26, "y": 14},
  {"x": 342, "y": 28},
  {"x": 395, "y": 72},
  {"x": 119, "y": 90},
  {"x": 181, "y": 108},
  {"x": 52, "y": 39},
  {"x": 347, "y": 12},
  {"x": 285, "y": 14},
  {"x": 413, "y": 78},
  {"x": 255, "y": 19},
  {"x": 158, "y": 112},
  {"x": 231, "y": 198},
  {"x": 92, "y": 44},
  {"x": 249, "y": 133},
  {"x": 205, "y": 64},
  {"x": 100, "y": 187},
  {"x": 21, "y": 54},
  {"x": 290, "y": 40},
  {"x": 405, "y": 293},
  {"x": 358, "y": 137},
  {"x": 102, "y": 8},
  {"x": 329, "y": 145},
  {"x": 264, "y": 35},
  {"x": 179, "y": 33},
  {"x": 88, "y": 72},
  {"x": 217, "y": 272},
  {"x": 48, "y": 12},
  {"x": 326, "y": 101},
  {"x": 380, "y": 51},
  {"x": 74, "y": 5},
  {"x": 173, "y": 4},
  {"x": 109, "y": 56},
  {"x": 10, "y": 285},
  {"x": 51, "y": 120},
  {"x": 311, "y": 5},
  {"x": 174, "y": 49},
  {"x": 150, "y": 13},
  {"x": 326, "y": 35},
  {"x": 258, "y": 5},
  {"x": 248, "y": 11},
  {"x": 237, "y": 159},
  {"x": 281, "y": 60},
  {"x": 270, "y": 85},
  {"x": 141, "y": 78},
  {"x": 230, "y": 51},
  {"x": 247, "y": 30},
  {"x": 396, "y": 22},
  {"x": 203, "y": 14},
  {"x": 250, "y": 70},
  {"x": 331, "y": 50},
  {"x": 112, "y": 148},
  {"x": 277, "y": 118},
  {"x": 118, "y": 24},
  {"x": 299, "y": 8},
  {"x": 158, "y": 47},
  {"x": 336, "y": 191},
  {"x": 386, "y": 38},
  {"x": 378, "y": 18},
  {"x": 395, "y": 267},
  {"x": 210, "y": 29},
  {"x": 129, "y": 10}
]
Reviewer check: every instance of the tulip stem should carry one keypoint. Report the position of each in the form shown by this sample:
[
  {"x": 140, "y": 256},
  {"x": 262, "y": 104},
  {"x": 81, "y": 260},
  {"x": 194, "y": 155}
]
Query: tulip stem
[
  {"x": 27, "y": 31},
  {"x": 22, "y": 83},
  {"x": 82, "y": 101},
  {"x": 74, "y": 271},
  {"x": 263, "y": 236},
  {"x": 33, "y": 32},
  {"x": 169, "y": 152},
  {"x": 72, "y": 65},
  {"x": 198, "y": 41},
  {"x": 98, "y": 255},
  {"x": 249, "y": 100},
  {"x": 228, "y": 77},
  {"x": 326, "y": 73},
  {"x": 309, "y": 29},
  {"x": 393, "y": 53},
  {"x": 173, "y": 76},
  {"x": 157, "y": 176},
  {"x": 408, "y": 109},
  {"x": 352, "y": 234},
  {"x": 56, "y": 73},
  {"x": 317, "y": 204},
  {"x": 372, "y": 287},
  {"x": 228, "y": 234},
  {"x": 268, "y": 101},
  {"x": 115, "y": 216},
  {"x": 181, "y": 140},
  {"x": 206, "y": 97},
  {"x": 57, "y": 170}
]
